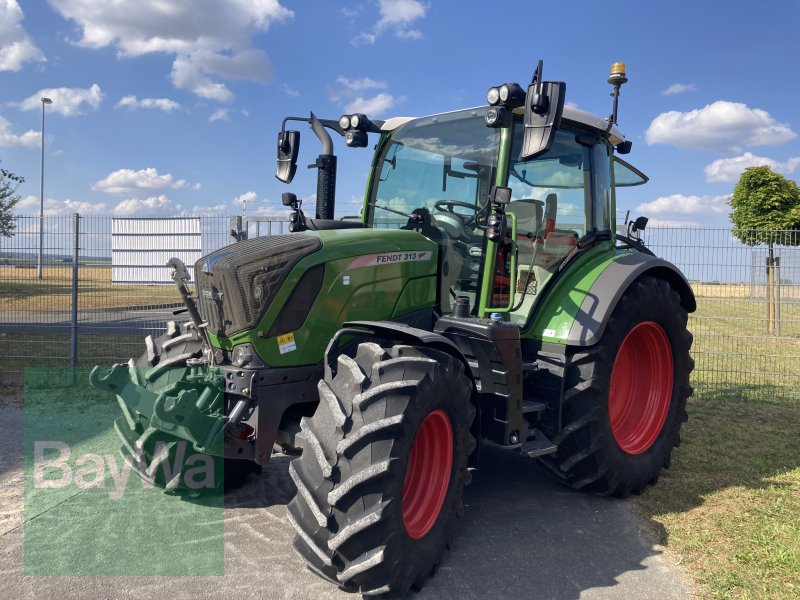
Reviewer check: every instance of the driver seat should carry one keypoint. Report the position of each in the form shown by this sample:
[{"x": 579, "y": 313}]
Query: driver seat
[{"x": 528, "y": 213}]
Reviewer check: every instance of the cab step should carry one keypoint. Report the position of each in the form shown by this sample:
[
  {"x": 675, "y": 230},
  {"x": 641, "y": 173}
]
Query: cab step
[
  {"x": 529, "y": 406},
  {"x": 538, "y": 446}
]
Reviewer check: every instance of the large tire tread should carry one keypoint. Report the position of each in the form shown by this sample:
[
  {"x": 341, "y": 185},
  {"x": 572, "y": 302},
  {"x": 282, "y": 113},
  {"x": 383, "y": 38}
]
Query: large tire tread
[
  {"x": 588, "y": 457},
  {"x": 347, "y": 510}
]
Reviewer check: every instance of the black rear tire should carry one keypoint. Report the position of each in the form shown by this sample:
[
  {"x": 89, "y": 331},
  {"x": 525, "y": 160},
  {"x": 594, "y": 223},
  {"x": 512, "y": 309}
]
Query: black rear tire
[
  {"x": 349, "y": 508},
  {"x": 594, "y": 454}
]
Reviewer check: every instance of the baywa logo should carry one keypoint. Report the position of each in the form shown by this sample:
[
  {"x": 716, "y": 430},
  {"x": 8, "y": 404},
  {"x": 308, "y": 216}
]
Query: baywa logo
[{"x": 88, "y": 471}]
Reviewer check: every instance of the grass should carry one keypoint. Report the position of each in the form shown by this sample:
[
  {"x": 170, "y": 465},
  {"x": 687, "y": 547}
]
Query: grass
[
  {"x": 20, "y": 351},
  {"x": 728, "y": 510},
  {"x": 732, "y": 348},
  {"x": 21, "y": 291}
]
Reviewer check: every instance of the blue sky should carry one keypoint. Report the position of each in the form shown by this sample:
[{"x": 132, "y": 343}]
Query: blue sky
[{"x": 171, "y": 107}]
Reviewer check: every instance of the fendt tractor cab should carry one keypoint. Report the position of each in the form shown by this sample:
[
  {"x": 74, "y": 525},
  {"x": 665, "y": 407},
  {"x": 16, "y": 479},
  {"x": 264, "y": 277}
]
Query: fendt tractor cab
[{"x": 482, "y": 297}]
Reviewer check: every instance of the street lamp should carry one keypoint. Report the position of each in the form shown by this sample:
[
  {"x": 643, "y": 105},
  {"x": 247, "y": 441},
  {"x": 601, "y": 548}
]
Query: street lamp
[{"x": 41, "y": 198}]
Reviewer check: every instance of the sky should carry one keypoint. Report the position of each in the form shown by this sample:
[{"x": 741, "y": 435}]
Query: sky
[{"x": 173, "y": 107}]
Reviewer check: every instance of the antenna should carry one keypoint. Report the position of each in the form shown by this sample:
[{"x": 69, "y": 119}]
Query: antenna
[{"x": 616, "y": 79}]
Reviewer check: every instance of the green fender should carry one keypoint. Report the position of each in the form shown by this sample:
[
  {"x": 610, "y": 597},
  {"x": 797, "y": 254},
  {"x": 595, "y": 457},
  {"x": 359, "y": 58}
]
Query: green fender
[{"x": 580, "y": 302}]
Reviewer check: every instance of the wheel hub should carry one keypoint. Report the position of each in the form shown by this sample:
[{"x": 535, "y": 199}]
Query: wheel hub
[
  {"x": 641, "y": 388},
  {"x": 428, "y": 475}
]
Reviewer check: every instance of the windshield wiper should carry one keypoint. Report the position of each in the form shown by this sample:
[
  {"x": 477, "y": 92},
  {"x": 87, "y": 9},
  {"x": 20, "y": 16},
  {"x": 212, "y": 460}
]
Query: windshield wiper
[
  {"x": 413, "y": 216},
  {"x": 523, "y": 177}
]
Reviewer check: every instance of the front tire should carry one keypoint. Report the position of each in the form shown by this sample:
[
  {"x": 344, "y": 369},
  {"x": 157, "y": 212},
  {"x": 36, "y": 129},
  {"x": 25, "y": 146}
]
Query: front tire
[
  {"x": 625, "y": 397},
  {"x": 383, "y": 468},
  {"x": 166, "y": 357}
]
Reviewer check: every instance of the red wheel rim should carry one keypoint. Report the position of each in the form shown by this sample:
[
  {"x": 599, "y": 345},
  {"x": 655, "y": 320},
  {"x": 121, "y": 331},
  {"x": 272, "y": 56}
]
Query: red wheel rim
[
  {"x": 428, "y": 474},
  {"x": 641, "y": 388}
]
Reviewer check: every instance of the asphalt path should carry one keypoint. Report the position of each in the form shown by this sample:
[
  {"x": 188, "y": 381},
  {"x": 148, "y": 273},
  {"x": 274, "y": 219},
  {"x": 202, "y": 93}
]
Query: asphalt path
[
  {"x": 523, "y": 536},
  {"x": 105, "y": 321}
]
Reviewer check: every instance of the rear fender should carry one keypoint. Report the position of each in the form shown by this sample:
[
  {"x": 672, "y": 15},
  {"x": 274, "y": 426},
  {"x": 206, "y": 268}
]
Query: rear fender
[{"x": 603, "y": 295}]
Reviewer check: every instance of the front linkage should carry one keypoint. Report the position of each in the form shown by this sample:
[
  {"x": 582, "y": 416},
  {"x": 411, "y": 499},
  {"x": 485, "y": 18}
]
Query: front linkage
[{"x": 172, "y": 396}]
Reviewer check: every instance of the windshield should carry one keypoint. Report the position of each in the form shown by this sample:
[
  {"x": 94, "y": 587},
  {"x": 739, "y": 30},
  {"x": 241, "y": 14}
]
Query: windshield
[{"x": 449, "y": 157}]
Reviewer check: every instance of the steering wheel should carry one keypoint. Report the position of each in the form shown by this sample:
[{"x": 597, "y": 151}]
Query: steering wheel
[{"x": 453, "y": 223}]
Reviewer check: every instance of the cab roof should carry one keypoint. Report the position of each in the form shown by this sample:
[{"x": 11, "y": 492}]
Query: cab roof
[{"x": 572, "y": 114}]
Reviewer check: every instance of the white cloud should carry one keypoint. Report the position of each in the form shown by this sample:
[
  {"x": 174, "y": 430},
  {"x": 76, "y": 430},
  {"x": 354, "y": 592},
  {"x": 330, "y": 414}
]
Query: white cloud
[
  {"x": 67, "y": 102},
  {"x": 374, "y": 106},
  {"x": 133, "y": 102},
  {"x": 679, "y": 88},
  {"x": 135, "y": 206},
  {"x": 9, "y": 139},
  {"x": 679, "y": 210},
  {"x": 349, "y": 93},
  {"x": 250, "y": 196},
  {"x": 219, "y": 115},
  {"x": 409, "y": 34},
  {"x": 16, "y": 47},
  {"x": 720, "y": 125},
  {"x": 29, "y": 205},
  {"x": 136, "y": 183},
  {"x": 208, "y": 41},
  {"x": 364, "y": 39},
  {"x": 351, "y": 13},
  {"x": 253, "y": 205},
  {"x": 729, "y": 169},
  {"x": 290, "y": 91},
  {"x": 400, "y": 13},
  {"x": 396, "y": 15},
  {"x": 191, "y": 71}
]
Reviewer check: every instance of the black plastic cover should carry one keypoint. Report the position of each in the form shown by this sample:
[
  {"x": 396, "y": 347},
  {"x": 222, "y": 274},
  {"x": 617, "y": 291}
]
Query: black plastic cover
[
  {"x": 541, "y": 126},
  {"x": 236, "y": 284}
]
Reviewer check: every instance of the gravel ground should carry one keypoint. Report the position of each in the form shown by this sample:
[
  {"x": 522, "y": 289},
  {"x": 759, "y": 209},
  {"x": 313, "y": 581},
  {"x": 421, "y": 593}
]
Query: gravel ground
[{"x": 523, "y": 536}]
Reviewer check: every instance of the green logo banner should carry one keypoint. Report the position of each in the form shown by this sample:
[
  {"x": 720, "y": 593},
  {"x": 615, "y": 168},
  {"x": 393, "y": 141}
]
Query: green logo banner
[{"x": 112, "y": 492}]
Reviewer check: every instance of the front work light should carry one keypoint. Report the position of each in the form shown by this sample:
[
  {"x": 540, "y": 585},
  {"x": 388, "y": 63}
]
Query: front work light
[
  {"x": 355, "y": 139},
  {"x": 344, "y": 121},
  {"x": 495, "y": 116},
  {"x": 511, "y": 95}
]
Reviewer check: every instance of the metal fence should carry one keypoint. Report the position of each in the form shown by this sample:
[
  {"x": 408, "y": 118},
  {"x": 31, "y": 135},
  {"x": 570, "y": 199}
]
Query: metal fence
[
  {"x": 747, "y": 324},
  {"x": 74, "y": 314},
  {"x": 746, "y": 328}
]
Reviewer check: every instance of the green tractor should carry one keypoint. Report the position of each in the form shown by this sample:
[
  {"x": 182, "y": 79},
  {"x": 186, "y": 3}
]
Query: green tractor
[{"x": 483, "y": 297}]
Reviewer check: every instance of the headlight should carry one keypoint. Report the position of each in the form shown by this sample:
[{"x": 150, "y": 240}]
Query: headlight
[
  {"x": 503, "y": 93},
  {"x": 495, "y": 116},
  {"x": 355, "y": 138},
  {"x": 241, "y": 356},
  {"x": 344, "y": 122},
  {"x": 493, "y": 96}
]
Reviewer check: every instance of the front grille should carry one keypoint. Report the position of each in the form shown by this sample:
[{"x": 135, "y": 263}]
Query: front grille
[{"x": 236, "y": 284}]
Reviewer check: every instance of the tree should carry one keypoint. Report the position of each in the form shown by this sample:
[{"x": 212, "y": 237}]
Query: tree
[
  {"x": 8, "y": 199},
  {"x": 766, "y": 205},
  {"x": 766, "y": 210}
]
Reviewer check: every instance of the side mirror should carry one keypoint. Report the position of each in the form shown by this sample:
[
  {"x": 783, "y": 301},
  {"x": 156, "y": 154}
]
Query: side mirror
[
  {"x": 288, "y": 147},
  {"x": 544, "y": 105}
]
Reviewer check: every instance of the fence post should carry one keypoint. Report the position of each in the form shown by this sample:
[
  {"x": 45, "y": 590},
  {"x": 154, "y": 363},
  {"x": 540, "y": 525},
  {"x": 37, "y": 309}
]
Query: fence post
[
  {"x": 770, "y": 291},
  {"x": 777, "y": 279},
  {"x": 73, "y": 337},
  {"x": 238, "y": 229}
]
